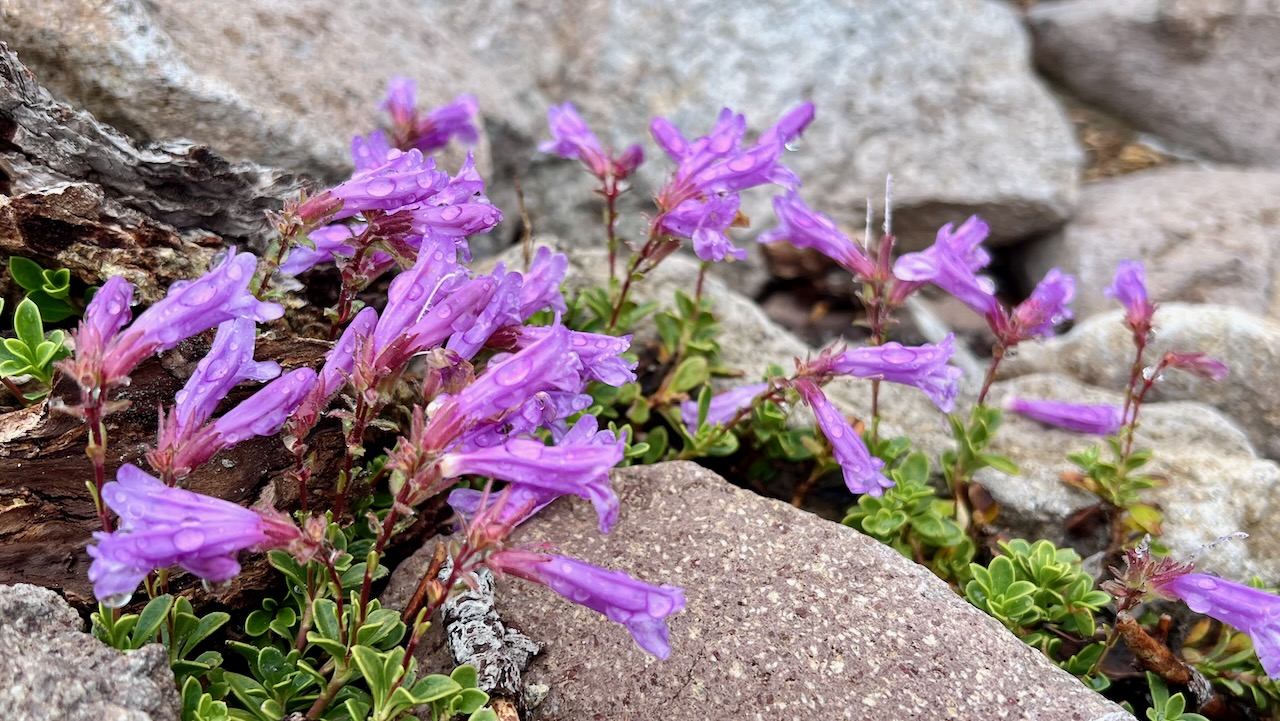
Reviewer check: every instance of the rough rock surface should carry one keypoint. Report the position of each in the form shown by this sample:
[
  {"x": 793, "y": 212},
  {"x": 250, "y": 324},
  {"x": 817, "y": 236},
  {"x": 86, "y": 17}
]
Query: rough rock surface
[
  {"x": 1099, "y": 352},
  {"x": 1198, "y": 73},
  {"x": 1214, "y": 483},
  {"x": 964, "y": 125},
  {"x": 45, "y": 143},
  {"x": 787, "y": 616},
  {"x": 283, "y": 83},
  {"x": 1204, "y": 236},
  {"x": 53, "y": 671}
]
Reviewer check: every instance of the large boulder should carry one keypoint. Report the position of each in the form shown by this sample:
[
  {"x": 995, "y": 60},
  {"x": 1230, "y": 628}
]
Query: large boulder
[
  {"x": 1205, "y": 236},
  {"x": 1198, "y": 73},
  {"x": 53, "y": 671},
  {"x": 787, "y": 615}
]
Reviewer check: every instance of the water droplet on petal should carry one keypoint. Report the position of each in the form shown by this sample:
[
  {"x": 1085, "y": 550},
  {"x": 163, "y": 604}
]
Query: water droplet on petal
[
  {"x": 116, "y": 600},
  {"x": 188, "y": 539}
]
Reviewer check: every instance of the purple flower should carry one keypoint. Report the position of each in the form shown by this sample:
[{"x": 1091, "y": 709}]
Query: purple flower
[
  {"x": 641, "y": 607},
  {"x": 805, "y": 228},
  {"x": 1100, "y": 419},
  {"x": 1130, "y": 288},
  {"x": 228, "y": 363},
  {"x": 581, "y": 469},
  {"x": 861, "y": 469},
  {"x": 1036, "y": 317},
  {"x": 1201, "y": 364},
  {"x": 502, "y": 309},
  {"x": 952, "y": 263},
  {"x": 330, "y": 240},
  {"x": 704, "y": 221},
  {"x": 924, "y": 366},
  {"x": 541, "y": 288},
  {"x": 700, "y": 201},
  {"x": 404, "y": 179},
  {"x": 162, "y": 526},
  {"x": 370, "y": 151},
  {"x": 723, "y": 407},
  {"x": 433, "y": 131},
  {"x": 600, "y": 355},
  {"x": 458, "y": 209},
  {"x": 1251, "y": 610},
  {"x": 190, "y": 307},
  {"x": 521, "y": 502},
  {"x": 182, "y": 450},
  {"x": 509, "y": 380},
  {"x": 544, "y": 409},
  {"x": 571, "y": 138}
]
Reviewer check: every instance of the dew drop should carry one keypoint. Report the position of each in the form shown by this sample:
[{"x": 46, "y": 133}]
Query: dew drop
[
  {"x": 215, "y": 586},
  {"x": 742, "y": 163},
  {"x": 381, "y": 187},
  {"x": 450, "y": 213},
  {"x": 116, "y": 600},
  {"x": 199, "y": 294},
  {"x": 1207, "y": 584},
  {"x": 188, "y": 539}
]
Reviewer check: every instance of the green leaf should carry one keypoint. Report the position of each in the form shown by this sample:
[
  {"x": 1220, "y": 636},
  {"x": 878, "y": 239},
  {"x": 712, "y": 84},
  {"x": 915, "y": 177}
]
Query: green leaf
[
  {"x": 154, "y": 614},
  {"x": 469, "y": 700},
  {"x": 483, "y": 714},
  {"x": 52, "y": 310},
  {"x": 26, "y": 273},
  {"x": 209, "y": 623},
  {"x": 1000, "y": 463},
  {"x": 57, "y": 283},
  {"x": 257, "y": 623},
  {"x": 466, "y": 676},
  {"x": 434, "y": 688},
  {"x": 691, "y": 373},
  {"x": 373, "y": 666},
  {"x": 27, "y": 325}
]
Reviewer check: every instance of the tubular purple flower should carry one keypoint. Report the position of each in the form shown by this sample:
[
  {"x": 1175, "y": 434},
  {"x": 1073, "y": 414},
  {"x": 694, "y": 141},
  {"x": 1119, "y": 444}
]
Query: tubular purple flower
[
  {"x": 1201, "y": 364},
  {"x": 453, "y": 120},
  {"x": 1099, "y": 419},
  {"x": 541, "y": 288},
  {"x": 162, "y": 526},
  {"x": 1251, "y": 610},
  {"x": 544, "y": 409},
  {"x": 521, "y": 504},
  {"x": 805, "y": 228},
  {"x": 404, "y": 179},
  {"x": 340, "y": 359},
  {"x": 401, "y": 100},
  {"x": 951, "y": 263},
  {"x": 228, "y": 363},
  {"x": 1130, "y": 288},
  {"x": 190, "y": 307},
  {"x": 544, "y": 365},
  {"x": 723, "y": 407},
  {"x": 435, "y": 275},
  {"x": 503, "y": 309},
  {"x": 459, "y": 209},
  {"x": 573, "y": 139},
  {"x": 790, "y": 126},
  {"x": 924, "y": 366},
  {"x": 262, "y": 414},
  {"x": 600, "y": 355},
  {"x": 579, "y": 469},
  {"x": 861, "y": 469},
  {"x": 1044, "y": 309},
  {"x": 705, "y": 220},
  {"x": 641, "y": 607},
  {"x": 106, "y": 314}
]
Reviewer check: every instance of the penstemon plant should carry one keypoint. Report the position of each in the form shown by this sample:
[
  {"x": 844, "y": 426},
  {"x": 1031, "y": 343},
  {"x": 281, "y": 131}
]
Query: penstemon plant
[{"x": 501, "y": 395}]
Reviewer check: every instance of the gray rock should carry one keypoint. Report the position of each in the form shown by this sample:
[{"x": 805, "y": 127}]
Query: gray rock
[
  {"x": 1204, "y": 236},
  {"x": 284, "y": 83},
  {"x": 1099, "y": 352},
  {"x": 787, "y": 616},
  {"x": 55, "y": 672},
  {"x": 1199, "y": 73},
  {"x": 937, "y": 93},
  {"x": 1213, "y": 482}
]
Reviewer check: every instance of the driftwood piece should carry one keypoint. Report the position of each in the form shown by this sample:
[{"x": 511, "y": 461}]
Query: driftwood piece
[
  {"x": 46, "y": 514},
  {"x": 44, "y": 142}
]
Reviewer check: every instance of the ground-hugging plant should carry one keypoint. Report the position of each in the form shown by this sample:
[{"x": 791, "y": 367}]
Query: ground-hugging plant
[{"x": 519, "y": 396}]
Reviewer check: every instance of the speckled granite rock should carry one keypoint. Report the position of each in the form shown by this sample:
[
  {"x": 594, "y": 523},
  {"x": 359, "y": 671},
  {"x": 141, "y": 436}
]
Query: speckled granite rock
[
  {"x": 1205, "y": 236},
  {"x": 51, "y": 671},
  {"x": 788, "y": 617}
]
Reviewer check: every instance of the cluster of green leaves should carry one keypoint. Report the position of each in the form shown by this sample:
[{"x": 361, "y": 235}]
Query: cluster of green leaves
[
  {"x": 1118, "y": 483},
  {"x": 970, "y": 454},
  {"x": 1041, "y": 594},
  {"x": 910, "y": 517},
  {"x": 300, "y": 647},
  {"x": 32, "y": 352},
  {"x": 1165, "y": 707}
]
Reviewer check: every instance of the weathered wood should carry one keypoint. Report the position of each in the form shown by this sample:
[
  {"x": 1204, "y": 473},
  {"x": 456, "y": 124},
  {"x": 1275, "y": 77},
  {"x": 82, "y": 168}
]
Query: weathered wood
[{"x": 44, "y": 142}]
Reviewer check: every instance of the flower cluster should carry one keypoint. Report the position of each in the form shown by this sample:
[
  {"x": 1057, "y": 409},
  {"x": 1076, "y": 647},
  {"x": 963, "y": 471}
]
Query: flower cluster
[{"x": 573, "y": 139}]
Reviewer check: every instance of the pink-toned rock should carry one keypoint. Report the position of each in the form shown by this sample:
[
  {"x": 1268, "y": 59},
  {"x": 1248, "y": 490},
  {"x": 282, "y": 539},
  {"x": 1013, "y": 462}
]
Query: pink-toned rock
[{"x": 788, "y": 617}]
